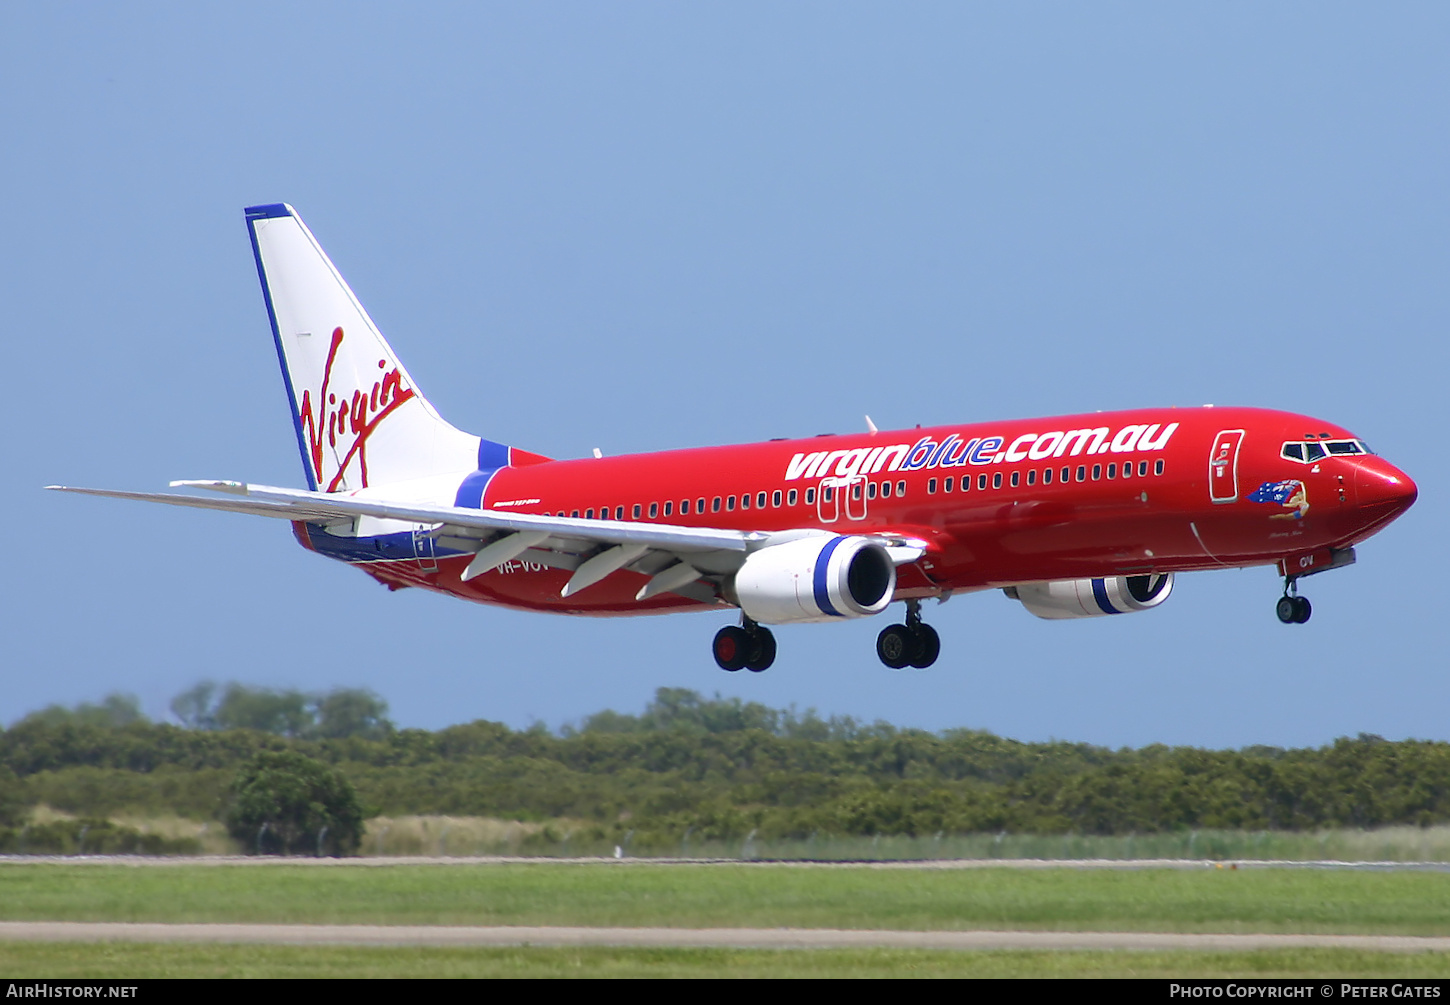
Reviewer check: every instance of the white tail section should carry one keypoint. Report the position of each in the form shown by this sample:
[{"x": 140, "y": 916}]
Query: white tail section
[{"x": 360, "y": 418}]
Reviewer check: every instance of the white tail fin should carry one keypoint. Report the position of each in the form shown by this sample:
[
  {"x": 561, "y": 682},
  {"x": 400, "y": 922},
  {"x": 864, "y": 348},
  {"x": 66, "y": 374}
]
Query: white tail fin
[{"x": 360, "y": 418}]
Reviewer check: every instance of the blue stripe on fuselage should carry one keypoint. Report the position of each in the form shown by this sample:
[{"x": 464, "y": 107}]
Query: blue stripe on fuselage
[
  {"x": 491, "y": 457},
  {"x": 395, "y": 547}
]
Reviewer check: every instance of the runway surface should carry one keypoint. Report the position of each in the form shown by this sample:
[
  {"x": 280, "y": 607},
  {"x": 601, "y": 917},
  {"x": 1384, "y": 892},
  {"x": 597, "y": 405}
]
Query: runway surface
[
  {"x": 263, "y": 861},
  {"x": 714, "y": 938}
]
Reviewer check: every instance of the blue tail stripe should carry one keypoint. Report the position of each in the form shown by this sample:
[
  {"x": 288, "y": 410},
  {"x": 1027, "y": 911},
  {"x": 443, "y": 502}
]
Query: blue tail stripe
[{"x": 255, "y": 213}]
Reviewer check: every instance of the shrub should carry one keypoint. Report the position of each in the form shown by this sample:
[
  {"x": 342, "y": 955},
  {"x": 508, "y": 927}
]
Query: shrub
[{"x": 286, "y": 804}]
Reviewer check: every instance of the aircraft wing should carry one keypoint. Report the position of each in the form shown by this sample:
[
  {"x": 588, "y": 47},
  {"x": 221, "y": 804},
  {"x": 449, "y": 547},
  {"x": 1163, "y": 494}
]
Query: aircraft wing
[{"x": 675, "y": 557}]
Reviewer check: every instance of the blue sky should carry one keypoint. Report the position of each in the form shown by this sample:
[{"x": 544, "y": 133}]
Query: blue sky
[{"x": 641, "y": 226}]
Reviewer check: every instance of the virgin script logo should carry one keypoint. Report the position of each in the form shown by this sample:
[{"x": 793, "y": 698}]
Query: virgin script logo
[{"x": 350, "y": 419}]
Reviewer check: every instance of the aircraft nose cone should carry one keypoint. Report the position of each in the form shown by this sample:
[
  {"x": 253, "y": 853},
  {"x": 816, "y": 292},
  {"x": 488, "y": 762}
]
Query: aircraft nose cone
[{"x": 1380, "y": 485}]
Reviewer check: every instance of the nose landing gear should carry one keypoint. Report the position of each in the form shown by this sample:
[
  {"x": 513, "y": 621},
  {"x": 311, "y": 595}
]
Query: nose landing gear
[
  {"x": 747, "y": 646},
  {"x": 1293, "y": 609},
  {"x": 913, "y": 644}
]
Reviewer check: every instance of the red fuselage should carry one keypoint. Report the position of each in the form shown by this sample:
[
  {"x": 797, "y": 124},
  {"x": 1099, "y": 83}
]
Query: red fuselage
[{"x": 1001, "y": 503}]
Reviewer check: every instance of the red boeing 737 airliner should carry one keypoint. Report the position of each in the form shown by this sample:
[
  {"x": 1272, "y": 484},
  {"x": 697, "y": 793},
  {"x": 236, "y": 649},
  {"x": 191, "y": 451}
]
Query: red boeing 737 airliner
[{"x": 1075, "y": 516}]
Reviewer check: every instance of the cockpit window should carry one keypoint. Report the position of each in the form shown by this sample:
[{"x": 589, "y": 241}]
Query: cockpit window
[{"x": 1310, "y": 451}]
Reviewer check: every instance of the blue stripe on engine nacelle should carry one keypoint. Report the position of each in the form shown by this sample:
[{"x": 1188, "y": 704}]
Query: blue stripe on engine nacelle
[
  {"x": 1100, "y": 594},
  {"x": 823, "y": 563}
]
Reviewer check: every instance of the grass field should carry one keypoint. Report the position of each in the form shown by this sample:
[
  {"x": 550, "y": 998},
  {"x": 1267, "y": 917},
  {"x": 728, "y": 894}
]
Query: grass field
[
  {"x": 762, "y": 896},
  {"x": 114, "y": 960}
]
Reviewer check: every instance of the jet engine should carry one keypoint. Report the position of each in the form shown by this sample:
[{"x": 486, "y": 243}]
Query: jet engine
[
  {"x": 816, "y": 579},
  {"x": 1092, "y": 598}
]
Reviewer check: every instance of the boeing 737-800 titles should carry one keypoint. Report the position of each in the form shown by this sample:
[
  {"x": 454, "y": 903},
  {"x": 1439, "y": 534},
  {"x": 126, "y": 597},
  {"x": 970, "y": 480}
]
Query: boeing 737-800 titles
[{"x": 1076, "y": 516}]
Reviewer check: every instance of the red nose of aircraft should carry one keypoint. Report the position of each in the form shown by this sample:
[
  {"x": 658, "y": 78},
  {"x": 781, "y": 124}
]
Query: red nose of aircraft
[{"x": 1382, "y": 488}]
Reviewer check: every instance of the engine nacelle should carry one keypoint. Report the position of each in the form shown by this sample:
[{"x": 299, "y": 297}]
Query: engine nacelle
[
  {"x": 816, "y": 579},
  {"x": 1093, "y": 598}
]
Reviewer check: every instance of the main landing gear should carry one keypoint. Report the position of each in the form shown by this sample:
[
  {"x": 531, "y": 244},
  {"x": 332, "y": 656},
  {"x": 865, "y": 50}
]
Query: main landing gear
[
  {"x": 1293, "y": 609},
  {"x": 913, "y": 644},
  {"x": 747, "y": 646}
]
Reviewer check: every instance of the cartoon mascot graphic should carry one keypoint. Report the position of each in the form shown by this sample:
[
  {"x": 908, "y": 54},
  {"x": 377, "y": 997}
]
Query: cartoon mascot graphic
[{"x": 1290, "y": 494}]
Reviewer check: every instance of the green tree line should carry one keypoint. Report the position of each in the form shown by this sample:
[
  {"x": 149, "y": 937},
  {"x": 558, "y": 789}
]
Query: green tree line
[{"x": 718, "y": 768}]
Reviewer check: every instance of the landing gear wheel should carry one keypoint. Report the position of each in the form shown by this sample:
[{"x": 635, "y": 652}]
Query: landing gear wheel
[
  {"x": 928, "y": 647},
  {"x": 1293, "y": 610},
  {"x": 762, "y": 650},
  {"x": 732, "y": 647},
  {"x": 896, "y": 645},
  {"x": 1287, "y": 610}
]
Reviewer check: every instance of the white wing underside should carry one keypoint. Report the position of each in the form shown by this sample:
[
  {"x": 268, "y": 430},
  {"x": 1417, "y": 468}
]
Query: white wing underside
[{"x": 675, "y": 558}]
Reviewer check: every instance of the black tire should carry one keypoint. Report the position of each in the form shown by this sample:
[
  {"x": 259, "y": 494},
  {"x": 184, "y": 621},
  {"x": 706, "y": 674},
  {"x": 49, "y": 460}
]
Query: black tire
[
  {"x": 731, "y": 647},
  {"x": 895, "y": 646},
  {"x": 1287, "y": 610},
  {"x": 928, "y": 647},
  {"x": 762, "y": 651},
  {"x": 1302, "y": 610}
]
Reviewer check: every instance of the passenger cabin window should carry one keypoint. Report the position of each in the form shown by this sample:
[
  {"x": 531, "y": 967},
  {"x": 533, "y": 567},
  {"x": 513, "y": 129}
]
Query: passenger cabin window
[
  {"x": 810, "y": 497},
  {"x": 669, "y": 507},
  {"x": 790, "y": 498},
  {"x": 1158, "y": 467},
  {"x": 684, "y": 507},
  {"x": 885, "y": 490},
  {"x": 636, "y": 511},
  {"x": 589, "y": 513},
  {"x": 901, "y": 490},
  {"x": 699, "y": 505},
  {"x": 1016, "y": 477},
  {"x": 1032, "y": 477},
  {"x": 775, "y": 496},
  {"x": 981, "y": 481},
  {"x": 1112, "y": 471},
  {"x": 1143, "y": 468},
  {"x": 730, "y": 503},
  {"x": 931, "y": 486},
  {"x": 760, "y": 500},
  {"x": 715, "y": 505},
  {"x": 654, "y": 510},
  {"x": 1082, "y": 473},
  {"x": 947, "y": 486},
  {"x": 997, "y": 480},
  {"x": 871, "y": 490},
  {"x": 1046, "y": 476},
  {"x": 619, "y": 512}
]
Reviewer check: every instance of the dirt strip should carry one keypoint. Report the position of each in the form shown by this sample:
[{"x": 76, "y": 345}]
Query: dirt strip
[{"x": 718, "y": 938}]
